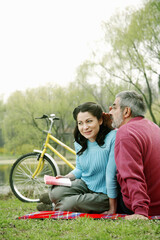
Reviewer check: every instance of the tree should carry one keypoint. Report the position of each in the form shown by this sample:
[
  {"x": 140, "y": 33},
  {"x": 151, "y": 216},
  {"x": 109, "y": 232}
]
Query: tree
[
  {"x": 23, "y": 132},
  {"x": 132, "y": 54},
  {"x": 102, "y": 92}
]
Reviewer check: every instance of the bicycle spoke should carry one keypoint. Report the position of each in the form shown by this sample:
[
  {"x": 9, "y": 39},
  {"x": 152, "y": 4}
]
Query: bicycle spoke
[{"x": 23, "y": 185}]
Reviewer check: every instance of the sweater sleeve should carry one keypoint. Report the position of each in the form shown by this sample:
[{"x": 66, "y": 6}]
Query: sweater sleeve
[
  {"x": 111, "y": 179},
  {"x": 77, "y": 171},
  {"x": 130, "y": 173}
]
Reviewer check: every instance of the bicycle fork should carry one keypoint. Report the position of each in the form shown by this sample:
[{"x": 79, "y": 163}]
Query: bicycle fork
[
  {"x": 41, "y": 160},
  {"x": 47, "y": 145}
]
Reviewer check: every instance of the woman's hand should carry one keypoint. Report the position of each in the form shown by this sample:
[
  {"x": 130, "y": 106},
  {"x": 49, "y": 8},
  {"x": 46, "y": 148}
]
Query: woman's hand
[
  {"x": 60, "y": 176},
  {"x": 107, "y": 120},
  {"x": 69, "y": 175},
  {"x": 110, "y": 211},
  {"x": 112, "y": 206}
]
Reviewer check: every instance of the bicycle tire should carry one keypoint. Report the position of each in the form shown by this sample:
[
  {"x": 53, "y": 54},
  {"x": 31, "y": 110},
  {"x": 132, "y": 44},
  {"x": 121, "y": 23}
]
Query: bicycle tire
[{"x": 22, "y": 185}]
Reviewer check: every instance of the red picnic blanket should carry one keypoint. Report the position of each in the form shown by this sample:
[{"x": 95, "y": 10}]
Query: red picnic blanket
[{"x": 74, "y": 215}]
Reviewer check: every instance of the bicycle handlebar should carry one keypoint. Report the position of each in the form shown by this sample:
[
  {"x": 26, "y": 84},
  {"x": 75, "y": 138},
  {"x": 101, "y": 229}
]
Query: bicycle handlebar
[{"x": 52, "y": 116}]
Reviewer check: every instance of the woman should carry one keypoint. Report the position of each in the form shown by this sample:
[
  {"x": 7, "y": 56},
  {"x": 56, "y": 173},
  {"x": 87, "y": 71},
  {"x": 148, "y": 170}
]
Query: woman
[{"x": 94, "y": 185}]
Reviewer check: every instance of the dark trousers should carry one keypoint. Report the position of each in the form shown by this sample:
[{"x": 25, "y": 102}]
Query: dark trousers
[
  {"x": 121, "y": 208},
  {"x": 78, "y": 198}
]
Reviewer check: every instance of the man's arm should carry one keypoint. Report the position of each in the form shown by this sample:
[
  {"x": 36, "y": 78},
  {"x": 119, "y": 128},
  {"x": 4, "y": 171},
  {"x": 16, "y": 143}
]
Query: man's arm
[{"x": 131, "y": 177}]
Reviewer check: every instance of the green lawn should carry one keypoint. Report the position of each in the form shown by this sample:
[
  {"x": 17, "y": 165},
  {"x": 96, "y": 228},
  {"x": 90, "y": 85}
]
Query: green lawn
[{"x": 82, "y": 228}]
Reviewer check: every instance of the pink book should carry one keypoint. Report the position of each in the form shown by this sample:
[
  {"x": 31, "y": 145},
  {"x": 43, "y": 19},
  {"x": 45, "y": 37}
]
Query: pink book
[{"x": 57, "y": 181}]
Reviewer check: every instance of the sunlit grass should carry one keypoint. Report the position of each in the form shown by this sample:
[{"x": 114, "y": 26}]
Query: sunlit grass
[{"x": 81, "y": 228}]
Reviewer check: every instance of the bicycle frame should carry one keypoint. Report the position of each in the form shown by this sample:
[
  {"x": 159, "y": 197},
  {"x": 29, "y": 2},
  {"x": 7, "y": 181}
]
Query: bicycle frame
[{"x": 47, "y": 145}]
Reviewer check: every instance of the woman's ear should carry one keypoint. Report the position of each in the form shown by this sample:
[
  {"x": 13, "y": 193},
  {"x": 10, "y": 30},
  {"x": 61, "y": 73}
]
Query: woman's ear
[{"x": 100, "y": 121}]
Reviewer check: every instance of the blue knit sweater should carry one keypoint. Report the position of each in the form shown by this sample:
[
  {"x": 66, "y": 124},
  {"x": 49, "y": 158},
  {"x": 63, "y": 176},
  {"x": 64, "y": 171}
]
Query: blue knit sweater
[{"x": 96, "y": 166}]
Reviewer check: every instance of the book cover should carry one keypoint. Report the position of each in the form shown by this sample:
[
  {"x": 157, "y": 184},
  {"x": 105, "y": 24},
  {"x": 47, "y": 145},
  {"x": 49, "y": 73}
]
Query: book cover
[{"x": 50, "y": 180}]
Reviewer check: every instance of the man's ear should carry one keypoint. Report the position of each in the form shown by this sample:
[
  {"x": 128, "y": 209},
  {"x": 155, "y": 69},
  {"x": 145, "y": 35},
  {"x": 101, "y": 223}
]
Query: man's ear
[{"x": 127, "y": 112}]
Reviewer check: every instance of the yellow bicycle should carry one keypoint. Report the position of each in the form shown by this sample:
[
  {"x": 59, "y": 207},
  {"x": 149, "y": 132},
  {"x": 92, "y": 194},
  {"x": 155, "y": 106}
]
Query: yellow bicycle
[{"x": 27, "y": 173}]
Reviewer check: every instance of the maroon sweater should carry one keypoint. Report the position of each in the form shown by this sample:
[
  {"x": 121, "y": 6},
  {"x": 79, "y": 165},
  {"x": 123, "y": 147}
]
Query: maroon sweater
[{"x": 137, "y": 156}]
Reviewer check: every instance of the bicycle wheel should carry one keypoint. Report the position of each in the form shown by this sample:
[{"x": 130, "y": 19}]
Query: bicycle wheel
[{"x": 24, "y": 187}]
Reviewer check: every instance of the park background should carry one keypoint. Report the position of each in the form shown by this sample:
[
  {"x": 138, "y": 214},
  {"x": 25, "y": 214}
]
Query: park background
[{"x": 126, "y": 55}]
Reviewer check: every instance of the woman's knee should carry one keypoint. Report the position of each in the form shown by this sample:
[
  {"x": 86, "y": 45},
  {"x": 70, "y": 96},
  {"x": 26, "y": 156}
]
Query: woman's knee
[
  {"x": 57, "y": 193},
  {"x": 66, "y": 204}
]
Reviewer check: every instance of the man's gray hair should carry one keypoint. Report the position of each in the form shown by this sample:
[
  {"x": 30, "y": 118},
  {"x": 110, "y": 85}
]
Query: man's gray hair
[{"x": 134, "y": 101}]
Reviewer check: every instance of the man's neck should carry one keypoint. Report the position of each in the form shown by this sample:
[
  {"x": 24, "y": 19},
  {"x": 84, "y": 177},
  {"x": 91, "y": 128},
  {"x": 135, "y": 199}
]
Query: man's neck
[{"x": 126, "y": 120}]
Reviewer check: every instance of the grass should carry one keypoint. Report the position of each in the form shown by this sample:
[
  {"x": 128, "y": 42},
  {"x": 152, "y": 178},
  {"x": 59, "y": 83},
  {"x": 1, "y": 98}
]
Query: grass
[{"x": 82, "y": 228}]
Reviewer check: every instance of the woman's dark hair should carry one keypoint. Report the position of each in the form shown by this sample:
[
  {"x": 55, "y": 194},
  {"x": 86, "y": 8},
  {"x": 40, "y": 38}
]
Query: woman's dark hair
[{"x": 96, "y": 110}]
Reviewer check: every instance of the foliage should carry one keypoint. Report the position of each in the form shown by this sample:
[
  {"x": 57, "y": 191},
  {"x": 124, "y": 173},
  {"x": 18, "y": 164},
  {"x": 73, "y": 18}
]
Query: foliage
[
  {"x": 132, "y": 54},
  {"x": 130, "y": 61},
  {"x": 23, "y": 132},
  {"x": 136, "y": 49},
  {"x": 104, "y": 91},
  {"x": 82, "y": 228}
]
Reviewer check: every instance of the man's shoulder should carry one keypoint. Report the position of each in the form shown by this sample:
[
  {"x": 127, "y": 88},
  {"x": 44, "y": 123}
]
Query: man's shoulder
[
  {"x": 133, "y": 123},
  {"x": 137, "y": 126},
  {"x": 130, "y": 127}
]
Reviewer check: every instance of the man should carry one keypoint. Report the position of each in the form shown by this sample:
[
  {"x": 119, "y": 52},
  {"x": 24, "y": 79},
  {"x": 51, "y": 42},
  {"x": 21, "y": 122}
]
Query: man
[{"x": 137, "y": 156}]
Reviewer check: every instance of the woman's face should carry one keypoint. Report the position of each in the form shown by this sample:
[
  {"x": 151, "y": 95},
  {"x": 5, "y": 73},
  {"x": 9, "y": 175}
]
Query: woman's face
[{"x": 88, "y": 125}]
